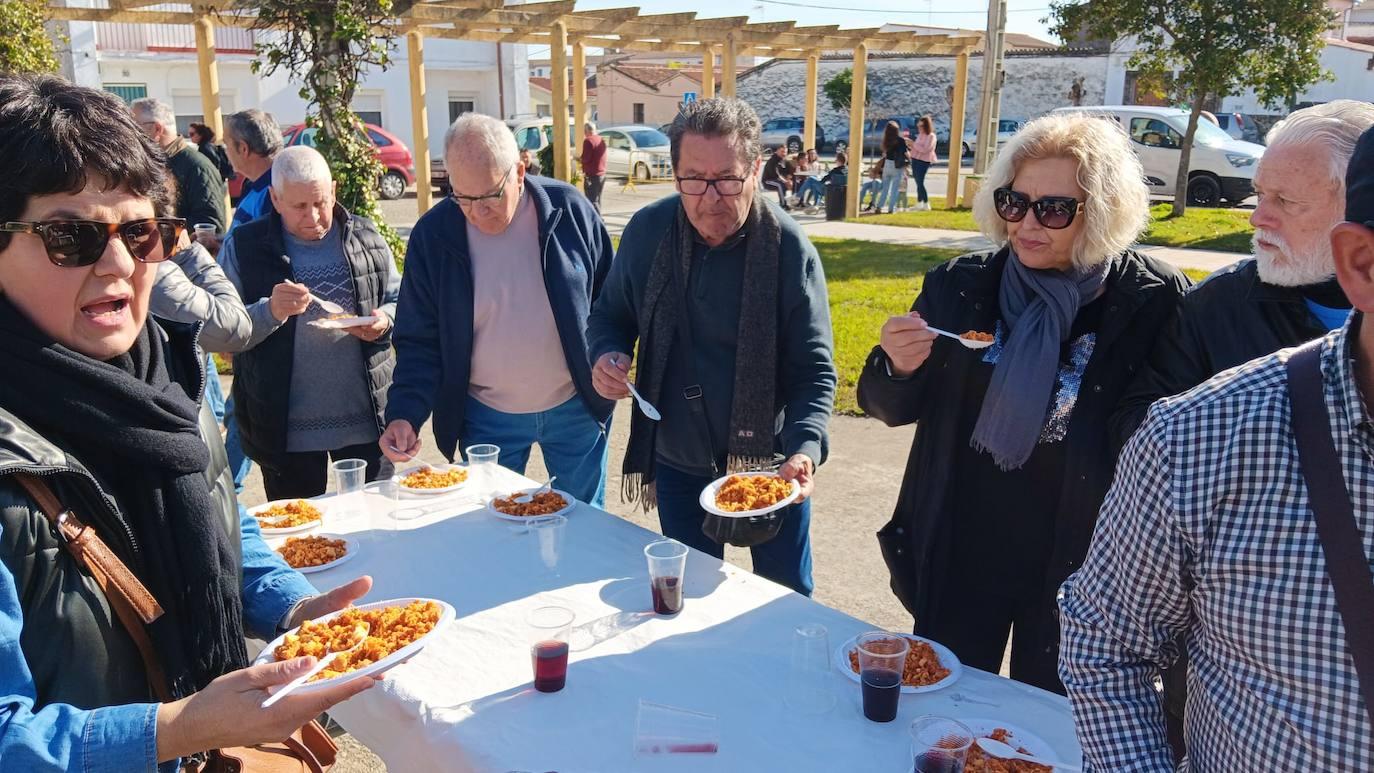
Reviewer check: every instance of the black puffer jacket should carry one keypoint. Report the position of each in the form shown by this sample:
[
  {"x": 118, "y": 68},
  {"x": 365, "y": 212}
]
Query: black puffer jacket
[{"x": 962, "y": 295}]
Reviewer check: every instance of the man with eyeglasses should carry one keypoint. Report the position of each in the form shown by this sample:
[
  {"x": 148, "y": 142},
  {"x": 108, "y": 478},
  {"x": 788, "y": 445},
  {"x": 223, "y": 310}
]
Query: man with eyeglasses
[
  {"x": 490, "y": 339},
  {"x": 726, "y": 299}
]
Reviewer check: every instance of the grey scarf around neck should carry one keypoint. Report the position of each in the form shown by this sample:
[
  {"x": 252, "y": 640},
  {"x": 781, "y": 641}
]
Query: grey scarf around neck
[{"x": 1038, "y": 308}]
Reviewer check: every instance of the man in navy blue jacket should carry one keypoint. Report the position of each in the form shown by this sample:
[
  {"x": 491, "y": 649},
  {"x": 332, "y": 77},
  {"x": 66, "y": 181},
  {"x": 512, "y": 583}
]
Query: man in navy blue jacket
[{"x": 490, "y": 330}]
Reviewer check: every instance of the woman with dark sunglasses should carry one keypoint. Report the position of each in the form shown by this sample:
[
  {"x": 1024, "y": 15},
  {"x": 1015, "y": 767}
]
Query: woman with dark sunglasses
[
  {"x": 1012, "y": 457},
  {"x": 102, "y": 405}
]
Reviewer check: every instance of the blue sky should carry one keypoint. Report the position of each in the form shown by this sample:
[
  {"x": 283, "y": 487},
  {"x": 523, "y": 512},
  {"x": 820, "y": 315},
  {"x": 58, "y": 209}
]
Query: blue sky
[{"x": 1022, "y": 15}]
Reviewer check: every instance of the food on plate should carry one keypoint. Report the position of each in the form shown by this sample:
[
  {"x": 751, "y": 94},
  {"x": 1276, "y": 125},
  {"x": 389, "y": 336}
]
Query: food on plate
[
  {"x": 304, "y": 552},
  {"x": 741, "y": 493},
  {"x": 974, "y": 335},
  {"x": 288, "y": 515},
  {"x": 390, "y": 629},
  {"x": 980, "y": 761},
  {"x": 922, "y": 665},
  {"x": 543, "y": 503},
  {"x": 433, "y": 477}
]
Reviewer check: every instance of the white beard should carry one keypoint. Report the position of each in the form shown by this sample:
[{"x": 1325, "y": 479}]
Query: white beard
[{"x": 1281, "y": 267}]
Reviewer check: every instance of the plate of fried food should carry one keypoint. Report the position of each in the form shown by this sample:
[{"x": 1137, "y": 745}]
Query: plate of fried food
[
  {"x": 341, "y": 321},
  {"x": 1022, "y": 741},
  {"x": 317, "y": 552},
  {"x": 396, "y": 630},
  {"x": 545, "y": 503},
  {"x": 287, "y": 516},
  {"x": 930, "y": 665},
  {"x": 432, "y": 479},
  {"x": 745, "y": 494}
]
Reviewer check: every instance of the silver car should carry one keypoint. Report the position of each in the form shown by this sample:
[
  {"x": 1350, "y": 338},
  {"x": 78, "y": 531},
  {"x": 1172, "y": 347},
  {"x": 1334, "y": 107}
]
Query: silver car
[{"x": 638, "y": 151}]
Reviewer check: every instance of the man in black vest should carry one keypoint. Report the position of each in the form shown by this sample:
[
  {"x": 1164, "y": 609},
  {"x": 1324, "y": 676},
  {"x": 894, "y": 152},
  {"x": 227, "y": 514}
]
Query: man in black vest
[{"x": 312, "y": 385}]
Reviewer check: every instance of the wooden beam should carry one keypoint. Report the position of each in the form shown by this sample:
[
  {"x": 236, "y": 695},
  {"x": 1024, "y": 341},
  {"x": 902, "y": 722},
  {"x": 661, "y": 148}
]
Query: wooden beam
[
  {"x": 956, "y": 128},
  {"x": 708, "y": 71},
  {"x": 857, "y": 171},
  {"x": 813, "y": 63},
  {"x": 558, "y": 54},
  {"x": 419, "y": 119},
  {"x": 579, "y": 81},
  {"x": 209, "y": 74},
  {"x": 727, "y": 66}
]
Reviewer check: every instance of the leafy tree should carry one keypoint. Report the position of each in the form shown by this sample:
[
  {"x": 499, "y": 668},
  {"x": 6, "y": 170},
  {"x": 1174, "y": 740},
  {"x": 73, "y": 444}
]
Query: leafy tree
[
  {"x": 1204, "y": 48},
  {"x": 327, "y": 44},
  {"x": 26, "y": 45},
  {"x": 840, "y": 88}
]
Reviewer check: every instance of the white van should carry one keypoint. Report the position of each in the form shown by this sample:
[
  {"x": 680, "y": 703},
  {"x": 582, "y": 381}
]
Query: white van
[{"x": 1222, "y": 168}]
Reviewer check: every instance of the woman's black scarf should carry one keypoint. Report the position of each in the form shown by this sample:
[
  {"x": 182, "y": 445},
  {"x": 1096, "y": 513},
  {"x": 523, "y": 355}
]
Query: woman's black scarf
[{"x": 137, "y": 432}]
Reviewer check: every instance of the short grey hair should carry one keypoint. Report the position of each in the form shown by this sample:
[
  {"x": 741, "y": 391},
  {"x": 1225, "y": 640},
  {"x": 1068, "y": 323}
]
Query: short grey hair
[
  {"x": 155, "y": 110},
  {"x": 299, "y": 164},
  {"x": 1117, "y": 209},
  {"x": 718, "y": 117},
  {"x": 1336, "y": 126},
  {"x": 482, "y": 139},
  {"x": 255, "y": 129}
]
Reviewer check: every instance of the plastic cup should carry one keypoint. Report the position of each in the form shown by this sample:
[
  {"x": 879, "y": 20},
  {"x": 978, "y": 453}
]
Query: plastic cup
[
  {"x": 548, "y": 539},
  {"x": 482, "y": 459},
  {"x": 667, "y": 572},
  {"x": 809, "y": 686},
  {"x": 939, "y": 744},
  {"x": 549, "y": 629},
  {"x": 661, "y": 729},
  {"x": 204, "y": 230},
  {"x": 383, "y": 504},
  {"x": 882, "y": 659},
  {"x": 349, "y": 475}
]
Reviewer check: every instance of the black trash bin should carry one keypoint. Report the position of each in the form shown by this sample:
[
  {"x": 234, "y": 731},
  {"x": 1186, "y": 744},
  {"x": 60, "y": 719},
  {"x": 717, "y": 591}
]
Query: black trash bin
[{"x": 834, "y": 201}]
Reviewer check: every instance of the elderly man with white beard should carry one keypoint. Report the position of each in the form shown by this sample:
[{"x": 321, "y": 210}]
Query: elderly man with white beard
[{"x": 1285, "y": 296}]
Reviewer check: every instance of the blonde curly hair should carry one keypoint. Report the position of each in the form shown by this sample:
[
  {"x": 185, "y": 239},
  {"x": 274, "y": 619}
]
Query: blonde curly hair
[{"x": 1117, "y": 209}]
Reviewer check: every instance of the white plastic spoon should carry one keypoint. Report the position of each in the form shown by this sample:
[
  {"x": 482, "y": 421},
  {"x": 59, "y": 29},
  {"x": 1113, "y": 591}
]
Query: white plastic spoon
[
  {"x": 329, "y": 307},
  {"x": 968, "y": 342},
  {"x": 361, "y": 630},
  {"x": 644, "y": 405}
]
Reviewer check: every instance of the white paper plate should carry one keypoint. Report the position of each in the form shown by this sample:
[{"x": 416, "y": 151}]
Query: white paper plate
[
  {"x": 947, "y": 659},
  {"x": 350, "y": 546},
  {"x": 1020, "y": 739},
  {"x": 341, "y": 323},
  {"x": 400, "y": 476},
  {"x": 446, "y": 616},
  {"x": 708, "y": 496},
  {"x": 267, "y": 532},
  {"x": 572, "y": 505}
]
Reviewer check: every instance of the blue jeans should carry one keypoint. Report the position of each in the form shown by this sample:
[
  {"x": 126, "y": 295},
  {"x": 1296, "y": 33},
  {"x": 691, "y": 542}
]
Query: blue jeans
[
  {"x": 869, "y": 187},
  {"x": 214, "y": 391},
  {"x": 239, "y": 462},
  {"x": 785, "y": 559},
  {"x": 814, "y": 187},
  {"x": 894, "y": 181},
  {"x": 574, "y": 445},
  {"x": 918, "y": 173}
]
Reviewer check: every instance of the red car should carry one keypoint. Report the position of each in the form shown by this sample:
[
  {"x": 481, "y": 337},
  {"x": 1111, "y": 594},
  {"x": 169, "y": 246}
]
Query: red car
[{"x": 394, "y": 155}]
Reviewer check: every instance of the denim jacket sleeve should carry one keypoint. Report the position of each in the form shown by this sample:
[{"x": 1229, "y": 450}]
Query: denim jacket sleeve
[{"x": 270, "y": 587}]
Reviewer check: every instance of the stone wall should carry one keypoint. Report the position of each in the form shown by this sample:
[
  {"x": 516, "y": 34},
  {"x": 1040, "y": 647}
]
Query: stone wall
[{"x": 1034, "y": 86}]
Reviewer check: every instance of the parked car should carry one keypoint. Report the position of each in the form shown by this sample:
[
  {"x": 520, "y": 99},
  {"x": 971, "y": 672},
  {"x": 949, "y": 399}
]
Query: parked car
[
  {"x": 1221, "y": 168},
  {"x": 789, "y": 131},
  {"x": 391, "y": 151},
  {"x": 1006, "y": 127},
  {"x": 534, "y": 133},
  {"x": 637, "y": 150},
  {"x": 873, "y": 132}
]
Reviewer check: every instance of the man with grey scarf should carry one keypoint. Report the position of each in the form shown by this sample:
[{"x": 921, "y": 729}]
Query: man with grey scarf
[{"x": 727, "y": 301}]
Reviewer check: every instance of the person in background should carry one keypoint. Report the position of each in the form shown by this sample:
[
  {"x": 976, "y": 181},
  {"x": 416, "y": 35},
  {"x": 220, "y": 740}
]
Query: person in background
[
  {"x": 491, "y": 341},
  {"x": 530, "y": 162},
  {"x": 252, "y": 140},
  {"x": 1210, "y": 536},
  {"x": 777, "y": 175},
  {"x": 872, "y": 186},
  {"x": 727, "y": 301},
  {"x": 1013, "y": 456},
  {"x": 1284, "y": 296},
  {"x": 922, "y": 156},
  {"x": 809, "y": 188},
  {"x": 104, "y": 410},
  {"x": 895, "y": 160},
  {"x": 204, "y": 138},
  {"x": 593, "y": 158},
  {"x": 306, "y": 394},
  {"x": 200, "y": 188}
]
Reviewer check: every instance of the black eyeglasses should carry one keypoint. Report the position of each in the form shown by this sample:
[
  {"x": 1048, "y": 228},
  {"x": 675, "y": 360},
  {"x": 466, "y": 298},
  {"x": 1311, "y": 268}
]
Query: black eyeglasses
[
  {"x": 77, "y": 243},
  {"x": 1053, "y": 212},
  {"x": 696, "y": 186},
  {"x": 500, "y": 192}
]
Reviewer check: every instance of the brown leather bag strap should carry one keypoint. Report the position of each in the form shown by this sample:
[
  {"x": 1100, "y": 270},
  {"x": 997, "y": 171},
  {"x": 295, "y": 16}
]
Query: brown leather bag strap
[{"x": 132, "y": 602}]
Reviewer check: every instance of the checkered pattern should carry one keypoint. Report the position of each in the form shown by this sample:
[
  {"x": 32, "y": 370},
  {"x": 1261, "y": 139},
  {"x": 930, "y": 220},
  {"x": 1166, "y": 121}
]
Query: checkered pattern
[{"x": 1207, "y": 531}]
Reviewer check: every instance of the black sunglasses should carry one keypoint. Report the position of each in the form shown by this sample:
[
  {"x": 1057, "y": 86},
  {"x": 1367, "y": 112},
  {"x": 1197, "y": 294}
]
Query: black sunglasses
[
  {"x": 1053, "y": 212},
  {"x": 696, "y": 186},
  {"x": 77, "y": 243}
]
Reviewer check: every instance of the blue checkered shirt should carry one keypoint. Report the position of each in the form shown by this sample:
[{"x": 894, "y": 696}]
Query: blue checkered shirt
[{"x": 1207, "y": 533}]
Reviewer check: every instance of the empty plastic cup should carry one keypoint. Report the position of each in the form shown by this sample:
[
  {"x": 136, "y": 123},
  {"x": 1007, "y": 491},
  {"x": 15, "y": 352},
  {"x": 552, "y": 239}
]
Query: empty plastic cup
[
  {"x": 810, "y": 683},
  {"x": 482, "y": 459},
  {"x": 548, "y": 532}
]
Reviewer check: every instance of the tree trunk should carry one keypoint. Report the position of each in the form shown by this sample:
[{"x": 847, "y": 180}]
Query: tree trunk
[{"x": 1186, "y": 156}]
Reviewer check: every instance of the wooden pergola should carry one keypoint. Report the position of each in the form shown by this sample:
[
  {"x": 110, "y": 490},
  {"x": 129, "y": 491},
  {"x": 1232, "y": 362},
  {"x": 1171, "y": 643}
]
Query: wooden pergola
[{"x": 559, "y": 25}]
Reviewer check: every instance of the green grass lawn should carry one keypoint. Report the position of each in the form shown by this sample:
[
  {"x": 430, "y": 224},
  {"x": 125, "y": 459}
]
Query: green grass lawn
[{"x": 1224, "y": 230}]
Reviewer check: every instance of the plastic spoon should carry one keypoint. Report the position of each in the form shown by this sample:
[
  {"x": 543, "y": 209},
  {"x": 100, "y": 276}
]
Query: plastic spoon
[
  {"x": 644, "y": 405},
  {"x": 528, "y": 497},
  {"x": 329, "y": 306},
  {"x": 999, "y": 749},
  {"x": 967, "y": 342},
  {"x": 409, "y": 457},
  {"x": 361, "y": 630}
]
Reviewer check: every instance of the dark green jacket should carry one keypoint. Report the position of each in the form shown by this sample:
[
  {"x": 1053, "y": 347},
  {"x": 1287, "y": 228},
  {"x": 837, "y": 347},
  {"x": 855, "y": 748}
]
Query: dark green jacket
[{"x": 200, "y": 187}]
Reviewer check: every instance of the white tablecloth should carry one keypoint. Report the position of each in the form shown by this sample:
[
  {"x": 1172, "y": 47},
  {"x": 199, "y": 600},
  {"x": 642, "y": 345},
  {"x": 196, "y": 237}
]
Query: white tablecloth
[{"x": 466, "y": 703}]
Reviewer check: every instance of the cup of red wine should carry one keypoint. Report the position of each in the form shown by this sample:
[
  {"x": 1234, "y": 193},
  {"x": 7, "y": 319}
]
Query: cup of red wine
[
  {"x": 882, "y": 659},
  {"x": 549, "y": 629},
  {"x": 667, "y": 567},
  {"x": 939, "y": 744}
]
